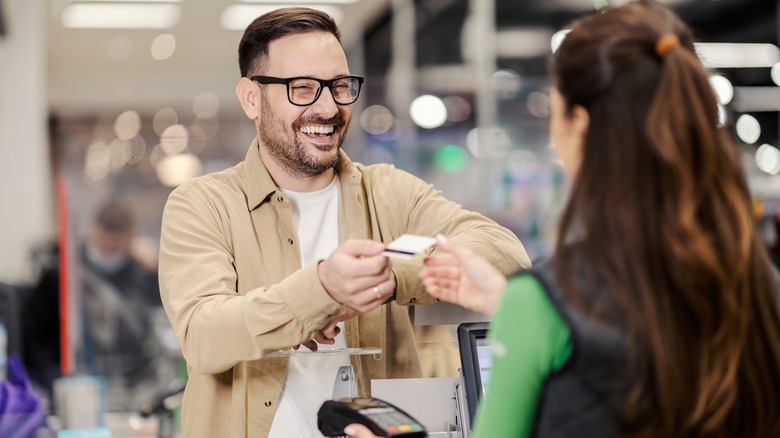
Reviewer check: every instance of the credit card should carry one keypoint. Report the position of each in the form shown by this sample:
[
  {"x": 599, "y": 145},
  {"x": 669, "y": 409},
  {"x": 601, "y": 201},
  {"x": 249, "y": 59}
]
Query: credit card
[{"x": 407, "y": 245}]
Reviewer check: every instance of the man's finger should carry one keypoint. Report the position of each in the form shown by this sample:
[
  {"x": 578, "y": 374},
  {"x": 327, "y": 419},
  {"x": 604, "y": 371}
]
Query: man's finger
[
  {"x": 311, "y": 345},
  {"x": 330, "y": 331},
  {"x": 360, "y": 248}
]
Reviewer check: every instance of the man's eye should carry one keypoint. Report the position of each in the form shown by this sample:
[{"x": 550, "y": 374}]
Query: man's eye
[{"x": 303, "y": 87}]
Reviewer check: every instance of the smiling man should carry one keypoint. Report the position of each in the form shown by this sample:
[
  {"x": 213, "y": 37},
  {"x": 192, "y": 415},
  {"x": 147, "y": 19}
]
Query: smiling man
[{"x": 283, "y": 251}]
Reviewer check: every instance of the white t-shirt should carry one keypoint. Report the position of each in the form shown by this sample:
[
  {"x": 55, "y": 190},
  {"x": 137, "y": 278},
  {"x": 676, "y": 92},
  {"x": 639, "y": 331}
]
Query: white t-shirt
[{"x": 310, "y": 379}]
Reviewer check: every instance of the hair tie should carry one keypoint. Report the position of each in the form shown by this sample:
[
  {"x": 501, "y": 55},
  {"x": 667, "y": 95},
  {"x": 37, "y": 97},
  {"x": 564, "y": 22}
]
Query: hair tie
[{"x": 665, "y": 43}]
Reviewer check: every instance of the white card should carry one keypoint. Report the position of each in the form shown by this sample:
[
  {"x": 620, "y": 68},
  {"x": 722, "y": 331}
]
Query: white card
[{"x": 407, "y": 245}]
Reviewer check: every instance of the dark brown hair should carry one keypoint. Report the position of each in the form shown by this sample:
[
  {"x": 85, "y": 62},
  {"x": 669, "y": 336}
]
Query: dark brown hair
[
  {"x": 253, "y": 48},
  {"x": 115, "y": 216},
  {"x": 661, "y": 208}
]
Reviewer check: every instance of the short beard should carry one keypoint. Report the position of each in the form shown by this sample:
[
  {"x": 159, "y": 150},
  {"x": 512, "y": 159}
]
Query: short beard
[{"x": 283, "y": 145}]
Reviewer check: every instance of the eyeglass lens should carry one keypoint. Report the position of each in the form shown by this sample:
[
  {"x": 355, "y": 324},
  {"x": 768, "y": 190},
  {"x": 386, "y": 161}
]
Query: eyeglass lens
[{"x": 305, "y": 91}]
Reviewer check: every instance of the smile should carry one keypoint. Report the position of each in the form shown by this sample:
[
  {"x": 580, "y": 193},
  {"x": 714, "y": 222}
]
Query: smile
[{"x": 318, "y": 130}]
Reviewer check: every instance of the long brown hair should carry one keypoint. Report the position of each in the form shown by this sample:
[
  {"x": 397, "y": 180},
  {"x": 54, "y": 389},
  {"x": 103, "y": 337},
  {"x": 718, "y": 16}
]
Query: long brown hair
[{"x": 660, "y": 206}]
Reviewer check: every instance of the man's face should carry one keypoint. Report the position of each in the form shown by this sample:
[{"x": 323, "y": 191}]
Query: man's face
[
  {"x": 109, "y": 243},
  {"x": 304, "y": 139}
]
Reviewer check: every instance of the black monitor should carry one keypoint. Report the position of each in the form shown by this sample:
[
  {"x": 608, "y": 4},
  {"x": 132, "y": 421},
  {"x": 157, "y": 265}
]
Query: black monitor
[{"x": 476, "y": 362}]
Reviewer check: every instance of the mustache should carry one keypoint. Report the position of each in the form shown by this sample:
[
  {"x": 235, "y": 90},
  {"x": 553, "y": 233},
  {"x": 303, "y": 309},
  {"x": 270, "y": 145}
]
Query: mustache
[{"x": 337, "y": 121}]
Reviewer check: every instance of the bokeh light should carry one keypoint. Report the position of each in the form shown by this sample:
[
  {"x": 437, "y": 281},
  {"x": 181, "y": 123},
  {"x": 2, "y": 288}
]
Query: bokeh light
[
  {"x": 538, "y": 104},
  {"x": 768, "y": 159},
  {"x": 489, "y": 142},
  {"x": 748, "y": 129},
  {"x": 134, "y": 149},
  {"x": 506, "y": 84},
  {"x": 451, "y": 158},
  {"x": 163, "y": 119},
  {"x": 428, "y": 111},
  {"x": 206, "y": 104},
  {"x": 458, "y": 108},
  {"x": 174, "y": 139},
  {"x": 127, "y": 125},
  {"x": 163, "y": 46},
  {"x": 723, "y": 88},
  {"x": 175, "y": 169},
  {"x": 376, "y": 119},
  {"x": 97, "y": 162},
  {"x": 775, "y": 73}
]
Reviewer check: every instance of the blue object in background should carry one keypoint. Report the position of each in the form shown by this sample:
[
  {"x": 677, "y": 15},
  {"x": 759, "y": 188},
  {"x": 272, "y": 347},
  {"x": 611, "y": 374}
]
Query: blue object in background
[
  {"x": 3, "y": 351},
  {"x": 95, "y": 432},
  {"x": 21, "y": 413}
]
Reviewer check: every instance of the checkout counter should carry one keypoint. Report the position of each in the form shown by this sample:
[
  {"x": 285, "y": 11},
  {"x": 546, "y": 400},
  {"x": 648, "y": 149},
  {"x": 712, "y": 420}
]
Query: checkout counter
[{"x": 444, "y": 405}]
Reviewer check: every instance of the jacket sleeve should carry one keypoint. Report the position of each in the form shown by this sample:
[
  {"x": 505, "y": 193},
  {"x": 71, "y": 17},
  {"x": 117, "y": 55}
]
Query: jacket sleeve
[
  {"x": 216, "y": 326},
  {"x": 413, "y": 206}
]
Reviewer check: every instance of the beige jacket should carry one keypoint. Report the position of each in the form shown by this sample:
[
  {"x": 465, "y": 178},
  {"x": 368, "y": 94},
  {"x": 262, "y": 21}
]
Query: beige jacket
[{"x": 234, "y": 290}]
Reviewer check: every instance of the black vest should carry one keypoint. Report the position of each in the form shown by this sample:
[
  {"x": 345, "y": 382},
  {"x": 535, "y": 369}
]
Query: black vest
[{"x": 578, "y": 399}]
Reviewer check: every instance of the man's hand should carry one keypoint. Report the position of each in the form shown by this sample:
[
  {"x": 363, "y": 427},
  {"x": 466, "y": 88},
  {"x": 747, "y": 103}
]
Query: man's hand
[
  {"x": 357, "y": 275},
  {"x": 328, "y": 334}
]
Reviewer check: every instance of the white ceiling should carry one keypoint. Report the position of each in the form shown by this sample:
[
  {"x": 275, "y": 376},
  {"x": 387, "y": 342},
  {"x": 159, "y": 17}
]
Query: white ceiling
[{"x": 84, "y": 80}]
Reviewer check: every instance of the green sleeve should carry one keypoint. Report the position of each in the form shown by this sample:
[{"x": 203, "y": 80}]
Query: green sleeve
[{"x": 530, "y": 340}]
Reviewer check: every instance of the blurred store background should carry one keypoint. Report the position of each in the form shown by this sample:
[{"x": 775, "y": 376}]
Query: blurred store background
[{"x": 124, "y": 100}]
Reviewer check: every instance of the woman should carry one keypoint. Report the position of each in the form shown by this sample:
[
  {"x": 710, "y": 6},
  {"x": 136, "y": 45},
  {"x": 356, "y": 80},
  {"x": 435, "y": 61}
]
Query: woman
[{"x": 657, "y": 315}]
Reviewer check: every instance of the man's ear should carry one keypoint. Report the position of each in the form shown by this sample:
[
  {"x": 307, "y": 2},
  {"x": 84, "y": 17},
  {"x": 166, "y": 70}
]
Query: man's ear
[{"x": 248, "y": 96}]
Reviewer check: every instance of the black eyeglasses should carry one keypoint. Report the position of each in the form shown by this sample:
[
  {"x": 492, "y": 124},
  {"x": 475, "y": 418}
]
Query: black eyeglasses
[{"x": 305, "y": 91}]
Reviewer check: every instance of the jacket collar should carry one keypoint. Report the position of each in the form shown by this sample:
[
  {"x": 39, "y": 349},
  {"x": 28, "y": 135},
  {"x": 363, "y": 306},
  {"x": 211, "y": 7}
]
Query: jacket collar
[{"x": 260, "y": 185}]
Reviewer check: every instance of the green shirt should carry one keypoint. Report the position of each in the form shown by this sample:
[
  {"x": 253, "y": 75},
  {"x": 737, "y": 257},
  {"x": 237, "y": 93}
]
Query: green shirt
[{"x": 530, "y": 340}]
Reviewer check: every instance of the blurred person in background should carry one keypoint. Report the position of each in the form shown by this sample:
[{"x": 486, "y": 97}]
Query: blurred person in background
[
  {"x": 285, "y": 248},
  {"x": 658, "y": 314},
  {"x": 119, "y": 297}
]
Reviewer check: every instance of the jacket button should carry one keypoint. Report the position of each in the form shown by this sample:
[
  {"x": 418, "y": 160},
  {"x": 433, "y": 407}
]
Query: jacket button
[
  {"x": 290, "y": 241},
  {"x": 268, "y": 403},
  {"x": 413, "y": 299},
  {"x": 280, "y": 198}
]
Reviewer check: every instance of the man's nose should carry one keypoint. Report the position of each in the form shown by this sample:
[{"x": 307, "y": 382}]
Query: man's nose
[{"x": 325, "y": 105}]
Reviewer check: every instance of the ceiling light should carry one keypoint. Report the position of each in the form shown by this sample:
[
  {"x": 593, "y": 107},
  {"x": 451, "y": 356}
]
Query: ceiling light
[
  {"x": 775, "y": 73},
  {"x": 756, "y": 99},
  {"x": 734, "y": 55},
  {"x": 238, "y": 17},
  {"x": 768, "y": 159},
  {"x": 129, "y": 1},
  {"x": 523, "y": 42},
  {"x": 121, "y": 15},
  {"x": 333, "y": 2},
  {"x": 428, "y": 111},
  {"x": 723, "y": 88},
  {"x": 748, "y": 128}
]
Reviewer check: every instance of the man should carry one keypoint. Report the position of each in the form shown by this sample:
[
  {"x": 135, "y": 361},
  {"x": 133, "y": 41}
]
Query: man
[
  {"x": 285, "y": 248},
  {"x": 118, "y": 297}
]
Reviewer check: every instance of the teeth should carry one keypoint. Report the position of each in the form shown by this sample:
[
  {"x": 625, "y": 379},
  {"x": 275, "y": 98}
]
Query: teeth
[{"x": 317, "y": 129}]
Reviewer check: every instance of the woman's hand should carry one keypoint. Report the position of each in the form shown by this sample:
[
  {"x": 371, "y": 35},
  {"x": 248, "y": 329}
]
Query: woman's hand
[
  {"x": 358, "y": 431},
  {"x": 462, "y": 277}
]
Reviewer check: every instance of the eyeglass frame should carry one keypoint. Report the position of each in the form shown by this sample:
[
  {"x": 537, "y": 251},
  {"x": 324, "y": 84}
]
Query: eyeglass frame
[{"x": 323, "y": 83}]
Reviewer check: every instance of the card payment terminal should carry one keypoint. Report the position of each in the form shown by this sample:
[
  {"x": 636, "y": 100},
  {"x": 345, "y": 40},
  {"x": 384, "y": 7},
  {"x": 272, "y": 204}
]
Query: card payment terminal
[{"x": 381, "y": 417}]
